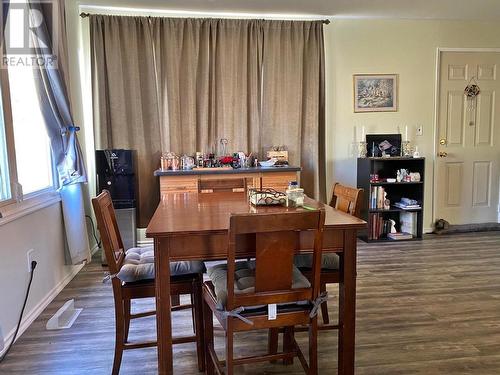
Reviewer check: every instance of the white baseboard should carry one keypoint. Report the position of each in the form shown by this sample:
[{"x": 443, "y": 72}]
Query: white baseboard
[
  {"x": 142, "y": 241},
  {"x": 94, "y": 250},
  {"x": 30, "y": 316},
  {"x": 145, "y": 243}
]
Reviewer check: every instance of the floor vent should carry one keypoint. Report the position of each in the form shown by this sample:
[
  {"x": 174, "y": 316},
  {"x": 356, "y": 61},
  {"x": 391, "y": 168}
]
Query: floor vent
[{"x": 64, "y": 317}]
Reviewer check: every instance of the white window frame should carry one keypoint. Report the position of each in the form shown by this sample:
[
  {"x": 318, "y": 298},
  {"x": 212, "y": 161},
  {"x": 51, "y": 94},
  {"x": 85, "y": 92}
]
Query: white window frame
[
  {"x": 17, "y": 206},
  {"x": 9, "y": 138}
]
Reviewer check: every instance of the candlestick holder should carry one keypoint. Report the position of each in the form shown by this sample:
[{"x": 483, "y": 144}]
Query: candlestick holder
[
  {"x": 406, "y": 149},
  {"x": 362, "y": 149}
]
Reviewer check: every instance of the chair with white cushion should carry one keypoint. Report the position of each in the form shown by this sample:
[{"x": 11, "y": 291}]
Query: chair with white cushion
[
  {"x": 132, "y": 275},
  {"x": 264, "y": 293}
]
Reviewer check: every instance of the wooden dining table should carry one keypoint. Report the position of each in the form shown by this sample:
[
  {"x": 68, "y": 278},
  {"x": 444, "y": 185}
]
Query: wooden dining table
[{"x": 193, "y": 226}]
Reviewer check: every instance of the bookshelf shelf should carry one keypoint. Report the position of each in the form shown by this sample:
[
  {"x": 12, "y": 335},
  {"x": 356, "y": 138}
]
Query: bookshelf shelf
[
  {"x": 395, "y": 209},
  {"x": 365, "y": 238},
  {"x": 409, "y": 220},
  {"x": 382, "y": 183}
]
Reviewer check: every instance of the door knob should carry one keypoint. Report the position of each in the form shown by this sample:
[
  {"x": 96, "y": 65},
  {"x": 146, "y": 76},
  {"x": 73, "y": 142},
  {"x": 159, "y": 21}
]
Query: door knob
[
  {"x": 442, "y": 154},
  {"x": 442, "y": 141}
]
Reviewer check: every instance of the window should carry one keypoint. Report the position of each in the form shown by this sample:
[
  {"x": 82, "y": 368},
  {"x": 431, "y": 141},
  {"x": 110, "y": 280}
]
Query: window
[
  {"x": 26, "y": 167},
  {"x": 33, "y": 155}
]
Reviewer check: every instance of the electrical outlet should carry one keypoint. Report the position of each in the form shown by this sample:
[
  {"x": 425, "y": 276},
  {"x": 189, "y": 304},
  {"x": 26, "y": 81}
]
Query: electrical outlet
[
  {"x": 31, "y": 257},
  {"x": 2, "y": 343},
  {"x": 420, "y": 130}
]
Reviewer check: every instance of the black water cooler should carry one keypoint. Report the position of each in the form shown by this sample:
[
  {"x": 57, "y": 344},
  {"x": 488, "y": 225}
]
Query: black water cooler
[{"x": 115, "y": 170}]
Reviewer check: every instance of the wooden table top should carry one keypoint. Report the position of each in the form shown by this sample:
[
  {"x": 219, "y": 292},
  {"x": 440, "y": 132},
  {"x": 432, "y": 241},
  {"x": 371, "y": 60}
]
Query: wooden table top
[{"x": 184, "y": 213}]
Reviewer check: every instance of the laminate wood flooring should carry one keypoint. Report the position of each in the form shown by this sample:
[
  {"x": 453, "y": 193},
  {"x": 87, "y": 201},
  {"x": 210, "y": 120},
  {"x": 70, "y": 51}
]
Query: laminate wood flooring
[{"x": 423, "y": 307}]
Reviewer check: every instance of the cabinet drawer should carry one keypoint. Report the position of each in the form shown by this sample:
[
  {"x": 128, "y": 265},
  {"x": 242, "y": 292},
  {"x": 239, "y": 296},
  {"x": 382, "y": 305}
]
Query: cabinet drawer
[
  {"x": 227, "y": 185},
  {"x": 175, "y": 184},
  {"x": 278, "y": 181}
]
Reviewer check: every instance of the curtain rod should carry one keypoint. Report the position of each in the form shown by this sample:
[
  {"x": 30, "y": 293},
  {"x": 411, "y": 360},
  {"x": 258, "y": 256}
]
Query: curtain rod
[{"x": 85, "y": 15}]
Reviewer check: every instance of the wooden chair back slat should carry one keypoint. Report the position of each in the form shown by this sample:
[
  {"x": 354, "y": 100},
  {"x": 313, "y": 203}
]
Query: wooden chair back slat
[
  {"x": 347, "y": 199},
  {"x": 277, "y": 239},
  {"x": 274, "y": 256},
  {"x": 108, "y": 228}
]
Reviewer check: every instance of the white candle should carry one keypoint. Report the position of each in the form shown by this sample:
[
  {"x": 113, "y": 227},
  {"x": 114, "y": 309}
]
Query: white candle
[
  {"x": 406, "y": 133},
  {"x": 363, "y": 134},
  {"x": 354, "y": 134}
]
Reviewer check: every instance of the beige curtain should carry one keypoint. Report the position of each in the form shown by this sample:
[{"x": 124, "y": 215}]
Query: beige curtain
[
  {"x": 293, "y": 97},
  {"x": 209, "y": 76},
  {"x": 126, "y": 113},
  {"x": 176, "y": 84}
]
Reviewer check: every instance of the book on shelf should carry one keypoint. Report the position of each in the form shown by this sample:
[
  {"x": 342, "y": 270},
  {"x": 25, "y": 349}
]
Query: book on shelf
[
  {"x": 407, "y": 207},
  {"x": 377, "y": 198},
  {"x": 378, "y": 227},
  {"x": 408, "y": 222},
  {"x": 400, "y": 236},
  {"x": 407, "y": 204}
]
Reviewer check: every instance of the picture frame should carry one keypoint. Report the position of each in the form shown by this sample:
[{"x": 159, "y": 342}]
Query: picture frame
[
  {"x": 390, "y": 143},
  {"x": 375, "y": 92}
]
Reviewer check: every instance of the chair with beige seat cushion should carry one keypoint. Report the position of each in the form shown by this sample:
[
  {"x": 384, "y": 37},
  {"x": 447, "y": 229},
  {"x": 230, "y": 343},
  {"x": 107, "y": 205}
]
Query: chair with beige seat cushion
[
  {"x": 132, "y": 277},
  {"x": 239, "y": 294}
]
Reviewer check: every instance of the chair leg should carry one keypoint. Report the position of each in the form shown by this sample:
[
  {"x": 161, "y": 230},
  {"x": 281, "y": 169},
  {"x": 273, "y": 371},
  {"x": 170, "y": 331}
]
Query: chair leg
[
  {"x": 209, "y": 338},
  {"x": 126, "y": 308},
  {"x": 193, "y": 315},
  {"x": 288, "y": 345},
  {"x": 313, "y": 346},
  {"x": 272, "y": 341},
  {"x": 197, "y": 311},
  {"x": 324, "y": 306},
  {"x": 119, "y": 336},
  {"x": 229, "y": 348}
]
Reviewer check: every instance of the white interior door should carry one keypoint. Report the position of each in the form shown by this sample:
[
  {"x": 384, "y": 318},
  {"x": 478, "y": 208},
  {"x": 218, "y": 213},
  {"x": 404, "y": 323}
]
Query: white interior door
[{"x": 468, "y": 162}]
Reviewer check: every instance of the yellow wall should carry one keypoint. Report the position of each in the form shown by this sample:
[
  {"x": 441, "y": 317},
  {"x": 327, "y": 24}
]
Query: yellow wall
[
  {"x": 405, "y": 47},
  {"x": 408, "y": 48}
]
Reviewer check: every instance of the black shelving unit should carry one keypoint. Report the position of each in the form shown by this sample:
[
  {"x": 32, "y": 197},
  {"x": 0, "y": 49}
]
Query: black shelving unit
[{"x": 387, "y": 168}]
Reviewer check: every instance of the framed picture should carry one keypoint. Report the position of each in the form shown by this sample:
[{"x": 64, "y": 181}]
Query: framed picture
[
  {"x": 375, "y": 92},
  {"x": 377, "y": 144}
]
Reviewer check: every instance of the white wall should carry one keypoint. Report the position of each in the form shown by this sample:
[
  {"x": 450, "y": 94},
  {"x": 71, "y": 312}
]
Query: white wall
[
  {"x": 405, "y": 47},
  {"x": 42, "y": 231}
]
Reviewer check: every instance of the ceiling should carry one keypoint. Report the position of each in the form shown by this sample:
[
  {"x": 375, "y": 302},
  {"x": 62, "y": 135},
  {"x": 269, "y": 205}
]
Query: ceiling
[{"x": 407, "y": 9}]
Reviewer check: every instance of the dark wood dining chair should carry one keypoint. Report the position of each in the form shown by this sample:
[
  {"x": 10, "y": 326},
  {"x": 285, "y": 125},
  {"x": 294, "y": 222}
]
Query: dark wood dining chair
[
  {"x": 346, "y": 199},
  {"x": 242, "y": 295},
  {"x": 132, "y": 277}
]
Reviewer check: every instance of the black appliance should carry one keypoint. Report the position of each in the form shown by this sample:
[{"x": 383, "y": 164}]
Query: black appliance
[{"x": 115, "y": 171}]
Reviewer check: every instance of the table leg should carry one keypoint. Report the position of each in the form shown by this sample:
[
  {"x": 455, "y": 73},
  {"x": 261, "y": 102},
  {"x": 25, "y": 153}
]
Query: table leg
[
  {"x": 163, "y": 318},
  {"x": 347, "y": 304}
]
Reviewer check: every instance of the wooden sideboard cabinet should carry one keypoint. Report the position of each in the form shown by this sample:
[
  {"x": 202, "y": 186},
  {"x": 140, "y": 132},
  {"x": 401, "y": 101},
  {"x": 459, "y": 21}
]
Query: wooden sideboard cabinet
[{"x": 226, "y": 180}]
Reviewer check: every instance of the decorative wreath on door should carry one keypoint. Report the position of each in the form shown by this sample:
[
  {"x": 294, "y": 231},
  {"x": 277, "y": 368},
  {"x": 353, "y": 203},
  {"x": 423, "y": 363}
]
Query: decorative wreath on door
[{"x": 471, "y": 92}]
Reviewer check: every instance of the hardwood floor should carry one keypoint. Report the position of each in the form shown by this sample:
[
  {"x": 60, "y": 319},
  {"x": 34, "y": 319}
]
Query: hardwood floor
[{"x": 427, "y": 307}]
